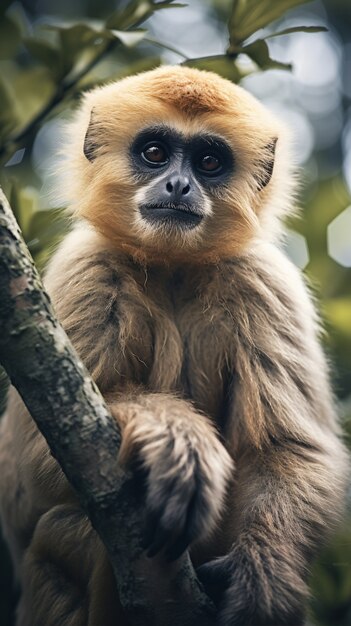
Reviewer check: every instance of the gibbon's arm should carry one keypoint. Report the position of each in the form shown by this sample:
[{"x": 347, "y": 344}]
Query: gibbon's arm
[
  {"x": 186, "y": 466},
  {"x": 291, "y": 464}
]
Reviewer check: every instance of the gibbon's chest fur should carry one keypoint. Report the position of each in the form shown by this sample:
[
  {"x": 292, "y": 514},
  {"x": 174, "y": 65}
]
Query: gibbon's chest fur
[
  {"x": 203, "y": 332},
  {"x": 177, "y": 333}
]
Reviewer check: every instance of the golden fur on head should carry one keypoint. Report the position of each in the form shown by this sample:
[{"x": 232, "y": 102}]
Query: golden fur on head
[{"x": 103, "y": 190}]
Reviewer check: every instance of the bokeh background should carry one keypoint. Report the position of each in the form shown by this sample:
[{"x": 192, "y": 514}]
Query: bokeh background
[{"x": 51, "y": 50}]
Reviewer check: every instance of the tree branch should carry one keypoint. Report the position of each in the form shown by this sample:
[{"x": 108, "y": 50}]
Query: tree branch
[{"x": 45, "y": 369}]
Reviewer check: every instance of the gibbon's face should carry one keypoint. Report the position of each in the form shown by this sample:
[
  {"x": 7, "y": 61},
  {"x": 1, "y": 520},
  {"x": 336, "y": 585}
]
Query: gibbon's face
[
  {"x": 180, "y": 172},
  {"x": 175, "y": 163}
]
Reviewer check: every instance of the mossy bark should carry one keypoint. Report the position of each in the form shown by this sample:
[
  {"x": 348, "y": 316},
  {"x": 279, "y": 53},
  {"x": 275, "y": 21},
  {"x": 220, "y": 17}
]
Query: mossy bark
[{"x": 70, "y": 412}]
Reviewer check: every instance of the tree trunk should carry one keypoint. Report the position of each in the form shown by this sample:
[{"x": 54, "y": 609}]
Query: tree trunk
[{"x": 43, "y": 366}]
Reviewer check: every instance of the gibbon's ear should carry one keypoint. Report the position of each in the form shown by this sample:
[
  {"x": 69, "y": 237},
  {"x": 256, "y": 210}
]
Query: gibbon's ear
[
  {"x": 267, "y": 165},
  {"x": 90, "y": 145}
]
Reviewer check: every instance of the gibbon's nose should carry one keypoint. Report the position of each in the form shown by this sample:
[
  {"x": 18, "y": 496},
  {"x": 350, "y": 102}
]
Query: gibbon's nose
[{"x": 177, "y": 188}]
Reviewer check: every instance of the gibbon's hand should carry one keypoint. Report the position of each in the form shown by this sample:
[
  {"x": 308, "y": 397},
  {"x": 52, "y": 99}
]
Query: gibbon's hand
[
  {"x": 185, "y": 468},
  {"x": 251, "y": 591}
]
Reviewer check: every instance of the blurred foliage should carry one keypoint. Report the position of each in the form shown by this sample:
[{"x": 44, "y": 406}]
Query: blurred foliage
[
  {"x": 331, "y": 603},
  {"x": 52, "y": 50},
  {"x": 47, "y": 64}
]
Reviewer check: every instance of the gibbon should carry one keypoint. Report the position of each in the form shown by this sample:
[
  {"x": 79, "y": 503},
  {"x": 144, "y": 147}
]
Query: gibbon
[{"x": 203, "y": 339}]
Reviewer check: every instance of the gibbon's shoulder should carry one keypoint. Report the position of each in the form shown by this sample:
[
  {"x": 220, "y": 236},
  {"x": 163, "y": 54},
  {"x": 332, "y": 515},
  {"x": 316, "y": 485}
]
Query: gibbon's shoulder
[{"x": 79, "y": 253}]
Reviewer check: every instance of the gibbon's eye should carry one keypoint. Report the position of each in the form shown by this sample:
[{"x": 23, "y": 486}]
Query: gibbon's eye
[
  {"x": 154, "y": 154},
  {"x": 209, "y": 164}
]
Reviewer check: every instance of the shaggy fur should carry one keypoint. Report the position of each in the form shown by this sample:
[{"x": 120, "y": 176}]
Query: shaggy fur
[{"x": 206, "y": 349}]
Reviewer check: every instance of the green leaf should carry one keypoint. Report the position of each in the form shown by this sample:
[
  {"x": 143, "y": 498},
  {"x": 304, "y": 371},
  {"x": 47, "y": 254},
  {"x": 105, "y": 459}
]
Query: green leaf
[
  {"x": 76, "y": 38},
  {"x": 25, "y": 203},
  {"x": 258, "y": 51},
  {"x": 34, "y": 88},
  {"x": 298, "y": 29},
  {"x": 4, "y": 6},
  {"x": 248, "y": 16},
  {"x": 47, "y": 228},
  {"x": 137, "y": 12},
  {"x": 131, "y": 15},
  {"x": 169, "y": 5},
  {"x": 221, "y": 64},
  {"x": 44, "y": 227},
  {"x": 128, "y": 38},
  {"x": 47, "y": 53},
  {"x": 331, "y": 580},
  {"x": 8, "y": 110},
  {"x": 10, "y": 37},
  {"x": 81, "y": 42},
  {"x": 338, "y": 312},
  {"x": 41, "y": 228},
  {"x": 73, "y": 40}
]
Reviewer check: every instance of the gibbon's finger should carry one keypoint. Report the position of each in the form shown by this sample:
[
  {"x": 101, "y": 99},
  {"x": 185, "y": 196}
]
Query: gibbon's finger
[
  {"x": 164, "y": 531},
  {"x": 157, "y": 519},
  {"x": 192, "y": 530},
  {"x": 171, "y": 512},
  {"x": 172, "y": 527}
]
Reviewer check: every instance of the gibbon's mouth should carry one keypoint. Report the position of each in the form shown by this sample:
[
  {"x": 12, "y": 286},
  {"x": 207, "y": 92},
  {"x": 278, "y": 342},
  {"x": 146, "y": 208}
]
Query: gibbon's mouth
[{"x": 183, "y": 215}]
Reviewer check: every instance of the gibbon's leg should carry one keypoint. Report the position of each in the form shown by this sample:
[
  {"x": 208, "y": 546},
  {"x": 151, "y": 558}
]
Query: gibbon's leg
[
  {"x": 65, "y": 575},
  {"x": 285, "y": 497},
  {"x": 185, "y": 466}
]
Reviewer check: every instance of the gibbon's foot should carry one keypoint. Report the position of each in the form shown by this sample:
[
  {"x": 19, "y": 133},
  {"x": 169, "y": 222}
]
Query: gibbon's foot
[
  {"x": 186, "y": 470},
  {"x": 245, "y": 592}
]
